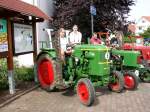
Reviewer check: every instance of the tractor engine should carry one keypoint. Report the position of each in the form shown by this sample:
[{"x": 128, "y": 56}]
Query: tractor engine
[{"x": 92, "y": 61}]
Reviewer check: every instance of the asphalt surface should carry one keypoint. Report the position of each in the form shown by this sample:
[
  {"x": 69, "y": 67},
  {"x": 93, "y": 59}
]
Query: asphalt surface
[{"x": 39, "y": 100}]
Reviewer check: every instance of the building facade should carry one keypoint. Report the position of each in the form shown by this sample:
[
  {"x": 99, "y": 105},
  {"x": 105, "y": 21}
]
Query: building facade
[
  {"x": 42, "y": 35},
  {"x": 142, "y": 24}
]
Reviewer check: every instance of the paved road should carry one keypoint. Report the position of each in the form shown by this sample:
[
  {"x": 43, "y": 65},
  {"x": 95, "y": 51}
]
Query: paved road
[{"x": 106, "y": 101}]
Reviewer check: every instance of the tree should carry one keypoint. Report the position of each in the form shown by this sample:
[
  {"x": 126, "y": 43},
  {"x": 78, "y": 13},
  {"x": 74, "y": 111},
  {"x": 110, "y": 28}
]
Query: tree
[
  {"x": 146, "y": 33},
  {"x": 111, "y": 14}
]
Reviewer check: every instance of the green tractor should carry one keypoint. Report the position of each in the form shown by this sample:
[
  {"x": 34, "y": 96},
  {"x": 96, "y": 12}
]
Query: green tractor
[
  {"x": 126, "y": 62},
  {"x": 144, "y": 58},
  {"x": 86, "y": 68}
]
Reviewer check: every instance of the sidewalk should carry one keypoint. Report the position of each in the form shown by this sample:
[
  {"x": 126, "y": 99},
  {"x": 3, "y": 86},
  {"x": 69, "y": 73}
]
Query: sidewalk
[
  {"x": 106, "y": 101},
  {"x": 21, "y": 89}
]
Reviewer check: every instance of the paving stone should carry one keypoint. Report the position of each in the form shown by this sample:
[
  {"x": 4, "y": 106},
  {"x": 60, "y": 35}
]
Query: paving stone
[{"x": 106, "y": 101}]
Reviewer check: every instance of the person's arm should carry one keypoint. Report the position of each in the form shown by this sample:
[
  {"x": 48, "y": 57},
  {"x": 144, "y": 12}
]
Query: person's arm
[
  {"x": 91, "y": 40},
  {"x": 70, "y": 38},
  {"x": 99, "y": 41},
  {"x": 80, "y": 37}
]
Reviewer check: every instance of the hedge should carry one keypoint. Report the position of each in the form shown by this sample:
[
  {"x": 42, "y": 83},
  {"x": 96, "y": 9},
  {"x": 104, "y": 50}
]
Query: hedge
[{"x": 21, "y": 73}]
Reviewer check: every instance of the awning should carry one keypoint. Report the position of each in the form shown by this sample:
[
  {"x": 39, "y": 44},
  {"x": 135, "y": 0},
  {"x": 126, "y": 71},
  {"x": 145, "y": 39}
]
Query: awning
[{"x": 23, "y": 8}]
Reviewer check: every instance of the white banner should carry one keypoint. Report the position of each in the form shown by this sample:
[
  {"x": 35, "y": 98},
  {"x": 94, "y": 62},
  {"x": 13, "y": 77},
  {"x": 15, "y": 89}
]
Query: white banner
[{"x": 23, "y": 38}]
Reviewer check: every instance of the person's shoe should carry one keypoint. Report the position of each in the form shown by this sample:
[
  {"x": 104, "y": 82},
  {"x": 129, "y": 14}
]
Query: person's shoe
[{"x": 61, "y": 85}]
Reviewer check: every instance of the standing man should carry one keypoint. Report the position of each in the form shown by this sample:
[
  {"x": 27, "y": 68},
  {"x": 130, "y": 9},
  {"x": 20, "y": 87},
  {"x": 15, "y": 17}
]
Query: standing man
[{"x": 75, "y": 36}]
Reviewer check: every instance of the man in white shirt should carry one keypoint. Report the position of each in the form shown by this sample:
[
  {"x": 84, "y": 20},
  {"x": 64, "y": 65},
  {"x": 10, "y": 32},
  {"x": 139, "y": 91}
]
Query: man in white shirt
[{"x": 75, "y": 36}]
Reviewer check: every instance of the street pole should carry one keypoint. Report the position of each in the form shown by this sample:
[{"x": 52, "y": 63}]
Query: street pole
[
  {"x": 92, "y": 19},
  {"x": 10, "y": 66},
  {"x": 92, "y": 25}
]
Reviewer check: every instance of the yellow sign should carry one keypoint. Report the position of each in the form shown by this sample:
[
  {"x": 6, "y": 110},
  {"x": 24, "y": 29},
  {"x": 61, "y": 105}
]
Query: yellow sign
[{"x": 3, "y": 36}]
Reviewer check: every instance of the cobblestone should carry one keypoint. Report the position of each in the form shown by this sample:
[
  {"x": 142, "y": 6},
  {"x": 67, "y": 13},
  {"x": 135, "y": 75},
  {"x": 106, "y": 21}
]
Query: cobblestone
[{"x": 106, "y": 101}]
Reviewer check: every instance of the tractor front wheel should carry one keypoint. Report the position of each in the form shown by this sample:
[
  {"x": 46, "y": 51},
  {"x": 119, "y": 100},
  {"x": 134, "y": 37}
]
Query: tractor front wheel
[
  {"x": 131, "y": 80},
  {"x": 85, "y": 91},
  {"x": 145, "y": 76},
  {"x": 117, "y": 82}
]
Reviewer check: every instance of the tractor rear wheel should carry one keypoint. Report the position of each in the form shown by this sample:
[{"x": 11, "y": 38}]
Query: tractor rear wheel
[
  {"x": 131, "y": 80},
  {"x": 46, "y": 72},
  {"x": 85, "y": 91},
  {"x": 117, "y": 84}
]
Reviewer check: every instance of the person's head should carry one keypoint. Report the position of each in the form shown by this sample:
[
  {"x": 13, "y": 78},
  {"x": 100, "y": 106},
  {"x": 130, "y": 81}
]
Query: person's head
[
  {"x": 94, "y": 35},
  {"x": 61, "y": 32},
  {"x": 119, "y": 35},
  {"x": 75, "y": 28}
]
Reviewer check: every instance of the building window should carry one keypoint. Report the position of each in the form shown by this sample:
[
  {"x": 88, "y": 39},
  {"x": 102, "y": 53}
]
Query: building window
[
  {"x": 143, "y": 21},
  {"x": 140, "y": 27}
]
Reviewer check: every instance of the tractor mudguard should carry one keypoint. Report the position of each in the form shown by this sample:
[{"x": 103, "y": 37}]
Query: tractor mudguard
[{"x": 50, "y": 52}]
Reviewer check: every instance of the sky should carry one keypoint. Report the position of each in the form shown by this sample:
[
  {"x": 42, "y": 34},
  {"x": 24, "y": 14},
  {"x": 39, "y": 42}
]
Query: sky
[{"x": 141, "y": 8}]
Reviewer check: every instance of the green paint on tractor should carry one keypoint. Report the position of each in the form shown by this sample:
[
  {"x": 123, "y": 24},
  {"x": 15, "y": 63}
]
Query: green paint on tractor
[
  {"x": 95, "y": 57},
  {"x": 129, "y": 58}
]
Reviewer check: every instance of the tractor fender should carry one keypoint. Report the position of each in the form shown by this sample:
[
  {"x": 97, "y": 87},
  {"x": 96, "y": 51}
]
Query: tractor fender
[{"x": 41, "y": 53}]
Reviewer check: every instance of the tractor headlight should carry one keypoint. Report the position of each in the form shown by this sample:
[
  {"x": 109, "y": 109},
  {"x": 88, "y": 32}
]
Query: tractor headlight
[
  {"x": 107, "y": 55},
  {"x": 76, "y": 59},
  {"x": 136, "y": 72}
]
